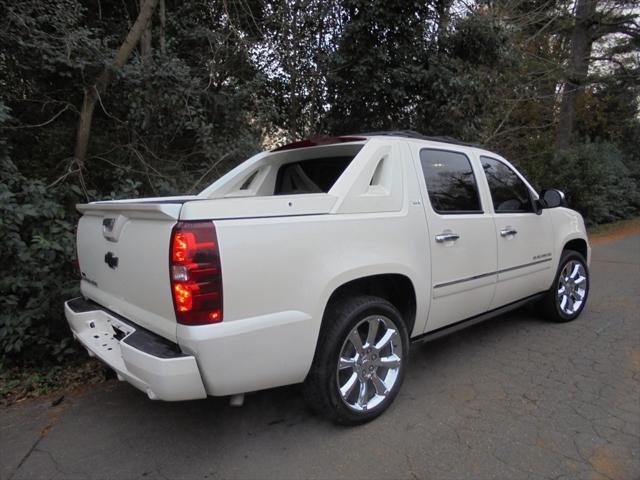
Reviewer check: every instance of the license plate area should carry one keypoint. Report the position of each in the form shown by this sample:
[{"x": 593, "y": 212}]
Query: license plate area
[{"x": 105, "y": 334}]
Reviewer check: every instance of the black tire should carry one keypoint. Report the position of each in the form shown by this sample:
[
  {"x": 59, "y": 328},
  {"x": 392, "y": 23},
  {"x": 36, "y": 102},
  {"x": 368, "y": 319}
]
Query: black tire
[
  {"x": 552, "y": 307},
  {"x": 321, "y": 389}
]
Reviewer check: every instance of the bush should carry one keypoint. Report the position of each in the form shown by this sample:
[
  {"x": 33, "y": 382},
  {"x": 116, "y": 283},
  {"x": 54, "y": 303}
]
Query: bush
[
  {"x": 597, "y": 182},
  {"x": 37, "y": 230}
]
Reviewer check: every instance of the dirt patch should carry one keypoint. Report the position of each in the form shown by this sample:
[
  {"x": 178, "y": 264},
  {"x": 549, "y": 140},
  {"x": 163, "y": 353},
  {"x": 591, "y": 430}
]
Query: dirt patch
[
  {"x": 18, "y": 385},
  {"x": 634, "y": 361},
  {"x": 605, "y": 463},
  {"x": 463, "y": 393},
  {"x": 614, "y": 231}
]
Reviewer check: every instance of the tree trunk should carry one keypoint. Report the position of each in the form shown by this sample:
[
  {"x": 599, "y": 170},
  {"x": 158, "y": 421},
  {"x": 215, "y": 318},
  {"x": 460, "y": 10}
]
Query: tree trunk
[
  {"x": 145, "y": 55},
  {"x": 145, "y": 39},
  {"x": 581, "y": 43},
  {"x": 163, "y": 24},
  {"x": 442, "y": 8},
  {"x": 93, "y": 92}
]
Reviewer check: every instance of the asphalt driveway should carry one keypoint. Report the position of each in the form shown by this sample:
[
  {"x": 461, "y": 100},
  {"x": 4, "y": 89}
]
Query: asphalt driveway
[{"x": 512, "y": 398}]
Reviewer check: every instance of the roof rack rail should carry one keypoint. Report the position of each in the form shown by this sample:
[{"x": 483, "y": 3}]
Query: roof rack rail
[{"x": 418, "y": 135}]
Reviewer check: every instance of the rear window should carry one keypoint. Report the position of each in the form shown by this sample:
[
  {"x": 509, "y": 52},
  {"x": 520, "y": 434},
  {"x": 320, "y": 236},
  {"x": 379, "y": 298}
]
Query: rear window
[
  {"x": 290, "y": 171},
  {"x": 310, "y": 176}
]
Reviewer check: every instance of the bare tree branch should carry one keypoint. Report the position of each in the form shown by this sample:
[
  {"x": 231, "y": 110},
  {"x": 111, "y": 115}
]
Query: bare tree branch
[{"x": 39, "y": 124}]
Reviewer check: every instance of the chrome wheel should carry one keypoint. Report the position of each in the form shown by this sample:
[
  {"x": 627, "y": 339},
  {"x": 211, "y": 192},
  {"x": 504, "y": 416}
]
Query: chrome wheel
[
  {"x": 572, "y": 287},
  {"x": 369, "y": 363}
]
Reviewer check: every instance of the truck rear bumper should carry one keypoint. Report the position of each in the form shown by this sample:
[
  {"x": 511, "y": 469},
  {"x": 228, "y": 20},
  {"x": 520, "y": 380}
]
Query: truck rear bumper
[{"x": 147, "y": 361}]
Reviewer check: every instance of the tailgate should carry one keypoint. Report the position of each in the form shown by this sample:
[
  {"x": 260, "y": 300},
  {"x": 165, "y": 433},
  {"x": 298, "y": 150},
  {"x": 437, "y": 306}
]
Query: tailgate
[
  {"x": 123, "y": 247},
  {"x": 123, "y": 251}
]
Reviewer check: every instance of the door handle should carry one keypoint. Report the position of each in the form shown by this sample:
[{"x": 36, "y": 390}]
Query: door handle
[
  {"x": 447, "y": 237},
  {"x": 505, "y": 232}
]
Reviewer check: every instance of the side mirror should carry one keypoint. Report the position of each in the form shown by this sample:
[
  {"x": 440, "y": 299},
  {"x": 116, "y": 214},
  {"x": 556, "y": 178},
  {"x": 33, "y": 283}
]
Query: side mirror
[
  {"x": 538, "y": 205},
  {"x": 553, "y": 198}
]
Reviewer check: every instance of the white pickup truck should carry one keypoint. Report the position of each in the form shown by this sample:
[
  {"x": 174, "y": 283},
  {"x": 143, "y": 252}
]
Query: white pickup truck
[{"x": 319, "y": 262}]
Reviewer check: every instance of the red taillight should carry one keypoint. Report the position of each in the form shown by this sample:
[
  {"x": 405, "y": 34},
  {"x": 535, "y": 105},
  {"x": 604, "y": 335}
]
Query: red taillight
[{"x": 196, "y": 276}]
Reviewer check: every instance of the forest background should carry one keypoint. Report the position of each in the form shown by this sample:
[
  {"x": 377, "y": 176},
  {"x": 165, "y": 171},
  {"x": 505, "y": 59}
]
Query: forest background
[{"x": 108, "y": 99}]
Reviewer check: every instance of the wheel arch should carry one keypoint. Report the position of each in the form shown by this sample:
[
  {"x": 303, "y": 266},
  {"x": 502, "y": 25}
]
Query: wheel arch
[
  {"x": 397, "y": 288},
  {"x": 569, "y": 233},
  {"x": 578, "y": 245}
]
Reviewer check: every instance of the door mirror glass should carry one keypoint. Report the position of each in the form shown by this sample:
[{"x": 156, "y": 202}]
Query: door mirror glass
[{"x": 553, "y": 198}]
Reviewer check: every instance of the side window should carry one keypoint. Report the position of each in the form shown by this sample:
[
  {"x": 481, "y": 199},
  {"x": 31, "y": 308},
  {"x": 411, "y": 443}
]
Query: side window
[
  {"x": 508, "y": 191},
  {"x": 450, "y": 182}
]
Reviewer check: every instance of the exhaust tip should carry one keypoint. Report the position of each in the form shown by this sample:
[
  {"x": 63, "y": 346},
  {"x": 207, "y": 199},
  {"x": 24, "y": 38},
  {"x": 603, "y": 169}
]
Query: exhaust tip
[{"x": 151, "y": 395}]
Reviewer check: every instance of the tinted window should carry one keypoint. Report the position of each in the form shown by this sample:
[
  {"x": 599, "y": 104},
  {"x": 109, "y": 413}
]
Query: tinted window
[
  {"x": 508, "y": 191},
  {"x": 450, "y": 182}
]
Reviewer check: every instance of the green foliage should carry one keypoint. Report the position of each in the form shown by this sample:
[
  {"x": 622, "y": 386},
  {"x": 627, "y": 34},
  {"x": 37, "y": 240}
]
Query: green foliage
[
  {"x": 37, "y": 231},
  {"x": 226, "y": 79},
  {"x": 378, "y": 69},
  {"x": 17, "y": 383},
  {"x": 479, "y": 40},
  {"x": 597, "y": 182}
]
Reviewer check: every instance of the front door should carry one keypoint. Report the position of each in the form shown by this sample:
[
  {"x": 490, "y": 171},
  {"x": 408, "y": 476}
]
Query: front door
[
  {"x": 525, "y": 238},
  {"x": 461, "y": 235}
]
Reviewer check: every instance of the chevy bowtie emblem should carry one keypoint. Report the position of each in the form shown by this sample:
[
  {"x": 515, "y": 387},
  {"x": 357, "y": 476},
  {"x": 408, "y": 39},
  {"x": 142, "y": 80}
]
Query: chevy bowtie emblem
[{"x": 111, "y": 260}]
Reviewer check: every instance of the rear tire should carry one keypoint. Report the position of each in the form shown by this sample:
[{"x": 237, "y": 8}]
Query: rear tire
[
  {"x": 360, "y": 360},
  {"x": 568, "y": 294}
]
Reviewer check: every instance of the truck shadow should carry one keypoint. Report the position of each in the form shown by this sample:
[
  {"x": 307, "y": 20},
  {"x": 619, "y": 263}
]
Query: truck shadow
[
  {"x": 147, "y": 436},
  {"x": 284, "y": 406}
]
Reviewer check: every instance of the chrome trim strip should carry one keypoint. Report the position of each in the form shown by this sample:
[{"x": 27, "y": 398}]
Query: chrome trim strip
[
  {"x": 497, "y": 272},
  {"x": 468, "y": 279},
  {"x": 523, "y": 266}
]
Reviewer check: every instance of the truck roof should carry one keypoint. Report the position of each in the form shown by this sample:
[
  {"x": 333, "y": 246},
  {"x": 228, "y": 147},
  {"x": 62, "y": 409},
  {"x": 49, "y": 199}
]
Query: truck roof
[{"x": 328, "y": 140}]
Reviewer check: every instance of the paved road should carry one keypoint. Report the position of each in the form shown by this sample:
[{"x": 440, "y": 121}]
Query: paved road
[{"x": 512, "y": 398}]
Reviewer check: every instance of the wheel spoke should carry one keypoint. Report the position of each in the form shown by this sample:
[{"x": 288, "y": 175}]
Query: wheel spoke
[
  {"x": 373, "y": 331},
  {"x": 561, "y": 290},
  {"x": 580, "y": 280},
  {"x": 363, "y": 394},
  {"x": 379, "y": 385},
  {"x": 356, "y": 341},
  {"x": 392, "y": 361},
  {"x": 346, "y": 363},
  {"x": 563, "y": 301},
  {"x": 575, "y": 270},
  {"x": 570, "y": 303},
  {"x": 388, "y": 336},
  {"x": 348, "y": 387}
]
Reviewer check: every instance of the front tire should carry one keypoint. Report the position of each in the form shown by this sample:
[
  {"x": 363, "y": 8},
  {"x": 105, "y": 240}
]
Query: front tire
[
  {"x": 360, "y": 360},
  {"x": 568, "y": 294}
]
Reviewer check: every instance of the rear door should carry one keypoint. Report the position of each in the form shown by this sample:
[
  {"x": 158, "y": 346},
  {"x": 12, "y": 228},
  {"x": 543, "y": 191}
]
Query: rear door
[
  {"x": 462, "y": 239},
  {"x": 525, "y": 238}
]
